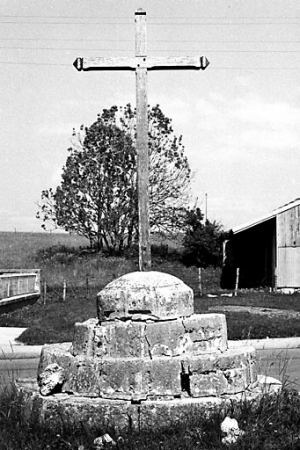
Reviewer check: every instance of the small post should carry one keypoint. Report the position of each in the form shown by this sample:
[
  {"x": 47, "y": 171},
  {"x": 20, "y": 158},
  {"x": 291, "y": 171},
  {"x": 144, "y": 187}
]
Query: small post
[
  {"x": 64, "y": 291},
  {"x": 200, "y": 281},
  {"x": 87, "y": 287},
  {"x": 237, "y": 277},
  {"x": 45, "y": 292},
  {"x": 8, "y": 288}
]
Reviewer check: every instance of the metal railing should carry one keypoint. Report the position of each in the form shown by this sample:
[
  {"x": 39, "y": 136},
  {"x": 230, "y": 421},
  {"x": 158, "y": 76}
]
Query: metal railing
[{"x": 18, "y": 284}]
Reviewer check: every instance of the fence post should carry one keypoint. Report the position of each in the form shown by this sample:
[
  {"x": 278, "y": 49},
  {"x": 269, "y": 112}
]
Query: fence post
[
  {"x": 237, "y": 281},
  {"x": 45, "y": 292},
  {"x": 87, "y": 287},
  {"x": 64, "y": 291},
  {"x": 200, "y": 281}
]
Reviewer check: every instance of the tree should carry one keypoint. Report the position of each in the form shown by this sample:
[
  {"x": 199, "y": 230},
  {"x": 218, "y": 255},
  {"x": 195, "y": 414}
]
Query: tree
[
  {"x": 97, "y": 197},
  {"x": 202, "y": 241}
]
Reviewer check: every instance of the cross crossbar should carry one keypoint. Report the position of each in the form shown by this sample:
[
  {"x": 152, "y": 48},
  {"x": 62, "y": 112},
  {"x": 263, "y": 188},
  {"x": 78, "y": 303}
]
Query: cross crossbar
[{"x": 121, "y": 63}]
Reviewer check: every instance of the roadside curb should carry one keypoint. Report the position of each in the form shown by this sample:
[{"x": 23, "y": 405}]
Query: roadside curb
[
  {"x": 268, "y": 344},
  {"x": 13, "y": 351}
]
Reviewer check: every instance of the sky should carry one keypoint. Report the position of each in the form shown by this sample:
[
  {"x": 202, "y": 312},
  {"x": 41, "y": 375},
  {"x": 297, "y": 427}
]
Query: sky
[{"x": 239, "y": 118}]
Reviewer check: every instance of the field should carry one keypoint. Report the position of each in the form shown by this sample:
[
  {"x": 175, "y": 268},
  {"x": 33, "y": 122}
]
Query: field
[{"x": 72, "y": 276}]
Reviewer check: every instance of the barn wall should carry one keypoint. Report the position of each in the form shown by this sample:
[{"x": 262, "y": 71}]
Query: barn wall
[
  {"x": 288, "y": 228},
  {"x": 288, "y": 242}
]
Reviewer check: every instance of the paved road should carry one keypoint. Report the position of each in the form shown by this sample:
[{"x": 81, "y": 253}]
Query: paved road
[
  {"x": 16, "y": 360},
  {"x": 283, "y": 364}
]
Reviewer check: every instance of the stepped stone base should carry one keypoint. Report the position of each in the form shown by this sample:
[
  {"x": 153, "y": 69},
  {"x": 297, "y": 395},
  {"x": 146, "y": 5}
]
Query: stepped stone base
[
  {"x": 147, "y": 361},
  {"x": 160, "y": 378},
  {"x": 124, "y": 415}
]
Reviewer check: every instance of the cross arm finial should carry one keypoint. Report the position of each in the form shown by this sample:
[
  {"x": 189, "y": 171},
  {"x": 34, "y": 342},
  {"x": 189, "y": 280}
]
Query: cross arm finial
[{"x": 140, "y": 12}]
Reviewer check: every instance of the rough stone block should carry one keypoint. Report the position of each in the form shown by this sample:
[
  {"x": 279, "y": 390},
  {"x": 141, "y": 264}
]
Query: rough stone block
[
  {"x": 162, "y": 377},
  {"x": 56, "y": 353},
  {"x": 218, "y": 374},
  {"x": 84, "y": 335},
  {"x": 156, "y": 293},
  {"x": 123, "y": 416},
  {"x": 207, "y": 384},
  {"x": 218, "y": 383},
  {"x": 120, "y": 339},
  {"x": 241, "y": 357},
  {"x": 138, "y": 378},
  {"x": 166, "y": 338},
  {"x": 155, "y": 415},
  {"x": 80, "y": 372},
  {"x": 51, "y": 380},
  {"x": 83, "y": 378},
  {"x": 208, "y": 332}
]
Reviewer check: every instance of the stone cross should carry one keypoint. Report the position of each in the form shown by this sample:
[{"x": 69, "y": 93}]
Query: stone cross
[{"x": 141, "y": 63}]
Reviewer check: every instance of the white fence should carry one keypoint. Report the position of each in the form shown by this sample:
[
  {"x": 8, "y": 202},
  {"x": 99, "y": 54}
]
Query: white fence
[{"x": 18, "y": 285}]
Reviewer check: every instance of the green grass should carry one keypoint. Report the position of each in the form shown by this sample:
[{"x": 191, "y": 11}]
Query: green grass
[{"x": 271, "y": 423}]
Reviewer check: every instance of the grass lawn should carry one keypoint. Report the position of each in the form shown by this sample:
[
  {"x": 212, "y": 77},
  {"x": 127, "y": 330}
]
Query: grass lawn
[
  {"x": 54, "y": 321},
  {"x": 271, "y": 423},
  {"x": 61, "y": 257}
]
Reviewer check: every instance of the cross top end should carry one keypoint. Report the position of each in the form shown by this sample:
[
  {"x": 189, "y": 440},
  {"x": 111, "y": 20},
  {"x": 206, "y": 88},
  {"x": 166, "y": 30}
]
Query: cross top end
[{"x": 140, "y": 12}]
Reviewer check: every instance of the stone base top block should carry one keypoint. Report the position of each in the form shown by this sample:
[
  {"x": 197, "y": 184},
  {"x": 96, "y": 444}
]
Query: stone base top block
[
  {"x": 152, "y": 293},
  {"x": 193, "y": 335}
]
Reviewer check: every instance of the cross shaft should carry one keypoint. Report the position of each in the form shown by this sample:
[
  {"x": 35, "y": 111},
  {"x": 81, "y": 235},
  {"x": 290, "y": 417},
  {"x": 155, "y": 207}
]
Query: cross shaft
[{"x": 141, "y": 64}]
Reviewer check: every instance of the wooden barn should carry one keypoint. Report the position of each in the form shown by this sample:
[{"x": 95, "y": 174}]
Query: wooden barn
[{"x": 267, "y": 250}]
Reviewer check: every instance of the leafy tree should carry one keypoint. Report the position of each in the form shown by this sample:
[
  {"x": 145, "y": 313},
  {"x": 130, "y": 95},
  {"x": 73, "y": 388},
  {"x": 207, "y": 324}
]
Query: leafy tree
[
  {"x": 97, "y": 197},
  {"x": 202, "y": 241}
]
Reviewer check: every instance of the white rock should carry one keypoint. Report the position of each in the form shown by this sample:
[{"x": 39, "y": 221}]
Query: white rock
[
  {"x": 230, "y": 427},
  {"x": 102, "y": 441},
  {"x": 51, "y": 379},
  {"x": 268, "y": 384}
]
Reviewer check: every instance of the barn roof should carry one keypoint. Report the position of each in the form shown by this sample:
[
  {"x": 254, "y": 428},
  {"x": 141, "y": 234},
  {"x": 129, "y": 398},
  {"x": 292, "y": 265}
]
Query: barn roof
[{"x": 266, "y": 217}]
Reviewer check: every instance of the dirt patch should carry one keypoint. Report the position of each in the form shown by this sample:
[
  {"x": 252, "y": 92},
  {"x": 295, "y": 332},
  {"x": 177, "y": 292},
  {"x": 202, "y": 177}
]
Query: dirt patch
[{"x": 256, "y": 310}]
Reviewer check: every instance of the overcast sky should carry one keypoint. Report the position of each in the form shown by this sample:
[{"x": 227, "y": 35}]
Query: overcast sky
[{"x": 240, "y": 118}]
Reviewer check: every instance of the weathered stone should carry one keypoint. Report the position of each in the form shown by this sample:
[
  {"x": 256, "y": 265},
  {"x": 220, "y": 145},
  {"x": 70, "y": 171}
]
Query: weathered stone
[
  {"x": 104, "y": 441},
  {"x": 56, "y": 353},
  {"x": 208, "y": 332},
  {"x": 166, "y": 338},
  {"x": 219, "y": 374},
  {"x": 139, "y": 378},
  {"x": 120, "y": 415},
  {"x": 237, "y": 358},
  {"x": 84, "y": 334},
  {"x": 80, "y": 372},
  {"x": 167, "y": 414},
  {"x": 205, "y": 385},
  {"x": 195, "y": 335},
  {"x": 230, "y": 428},
  {"x": 83, "y": 378},
  {"x": 240, "y": 357},
  {"x": 51, "y": 379},
  {"x": 156, "y": 293},
  {"x": 120, "y": 339}
]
